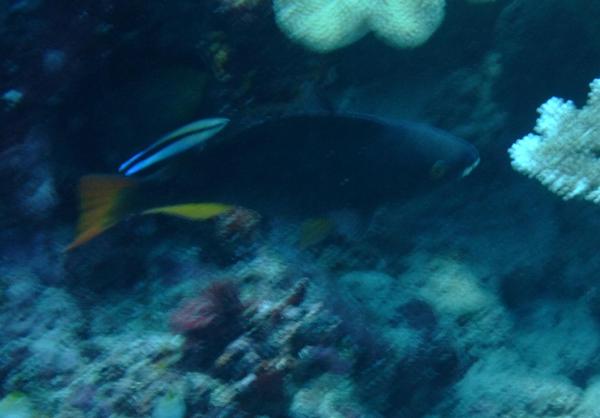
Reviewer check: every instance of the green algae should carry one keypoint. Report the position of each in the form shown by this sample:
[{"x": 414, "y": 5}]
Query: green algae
[{"x": 16, "y": 405}]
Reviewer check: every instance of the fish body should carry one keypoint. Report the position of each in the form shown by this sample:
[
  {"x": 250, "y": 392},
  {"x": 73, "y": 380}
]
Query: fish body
[
  {"x": 315, "y": 163},
  {"x": 307, "y": 165}
]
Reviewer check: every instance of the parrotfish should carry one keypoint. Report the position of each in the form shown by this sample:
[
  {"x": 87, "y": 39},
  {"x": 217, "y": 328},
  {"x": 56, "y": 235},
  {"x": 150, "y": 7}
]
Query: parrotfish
[{"x": 302, "y": 165}]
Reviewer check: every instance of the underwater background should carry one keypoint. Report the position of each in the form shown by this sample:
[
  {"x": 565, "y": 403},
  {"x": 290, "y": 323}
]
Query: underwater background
[{"x": 480, "y": 298}]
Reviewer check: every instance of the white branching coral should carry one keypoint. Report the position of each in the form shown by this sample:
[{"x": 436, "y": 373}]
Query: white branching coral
[
  {"x": 326, "y": 25},
  {"x": 563, "y": 153}
]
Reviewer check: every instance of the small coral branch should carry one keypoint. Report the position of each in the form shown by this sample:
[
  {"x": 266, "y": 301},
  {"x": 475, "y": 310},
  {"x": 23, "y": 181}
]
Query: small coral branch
[
  {"x": 216, "y": 306},
  {"x": 211, "y": 320}
]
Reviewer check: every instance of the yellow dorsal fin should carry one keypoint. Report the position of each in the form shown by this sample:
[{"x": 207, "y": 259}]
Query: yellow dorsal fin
[
  {"x": 314, "y": 231},
  {"x": 193, "y": 211},
  {"x": 101, "y": 200}
]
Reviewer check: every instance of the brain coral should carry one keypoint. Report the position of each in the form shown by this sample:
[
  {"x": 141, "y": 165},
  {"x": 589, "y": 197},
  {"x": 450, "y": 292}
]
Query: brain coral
[
  {"x": 405, "y": 24},
  {"x": 322, "y": 25},
  {"x": 325, "y": 25},
  {"x": 563, "y": 152}
]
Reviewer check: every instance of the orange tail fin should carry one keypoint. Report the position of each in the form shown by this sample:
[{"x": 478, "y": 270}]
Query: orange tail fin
[{"x": 102, "y": 205}]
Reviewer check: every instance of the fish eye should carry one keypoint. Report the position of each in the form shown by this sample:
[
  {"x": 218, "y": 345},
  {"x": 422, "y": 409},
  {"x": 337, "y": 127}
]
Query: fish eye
[{"x": 438, "y": 170}]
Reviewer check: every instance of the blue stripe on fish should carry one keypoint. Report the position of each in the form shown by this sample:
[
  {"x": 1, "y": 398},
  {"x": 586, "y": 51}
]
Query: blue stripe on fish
[{"x": 173, "y": 143}]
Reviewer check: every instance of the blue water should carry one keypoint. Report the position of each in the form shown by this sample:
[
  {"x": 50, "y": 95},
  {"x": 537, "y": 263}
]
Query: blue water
[{"x": 340, "y": 288}]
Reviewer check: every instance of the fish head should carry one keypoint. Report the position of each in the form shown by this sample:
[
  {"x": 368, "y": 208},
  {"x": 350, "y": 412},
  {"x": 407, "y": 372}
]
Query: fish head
[
  {"x": 442, "y": 155},
  {"x": 457, "y": 163}
]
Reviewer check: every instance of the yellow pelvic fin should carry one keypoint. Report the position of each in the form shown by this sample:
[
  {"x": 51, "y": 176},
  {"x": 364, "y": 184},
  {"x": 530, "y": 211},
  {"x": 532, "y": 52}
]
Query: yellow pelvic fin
[
  {"x": 101, "y": 201},
  {"x": 313, "y": 231},
  {"x": 192, "y": 211}
]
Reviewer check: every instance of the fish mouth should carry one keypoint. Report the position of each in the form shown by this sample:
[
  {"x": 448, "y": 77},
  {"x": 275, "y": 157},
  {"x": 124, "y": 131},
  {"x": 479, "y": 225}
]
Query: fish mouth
[{"x": 470, "y": 168}]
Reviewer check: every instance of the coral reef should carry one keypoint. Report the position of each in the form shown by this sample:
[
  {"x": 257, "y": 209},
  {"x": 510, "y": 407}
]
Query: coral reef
[
  {"x": 410, "y": 356},
  {"x": 328, "y": 396},
  {"x": 500, "y": 386},
  {"x": 476, "y": 300},
  {"x": 470, "y": 313},
  {"x": 282, "y": 344},
  {"x": 29, "y": 190},
  {"x": 567, "y": 347},
  {"x": 39, "y": 338},
  {"x": 127, "y": 376}
]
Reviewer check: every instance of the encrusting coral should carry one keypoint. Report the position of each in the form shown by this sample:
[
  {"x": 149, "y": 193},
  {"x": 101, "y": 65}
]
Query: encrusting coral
[{"x": 563, "y": 151}]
